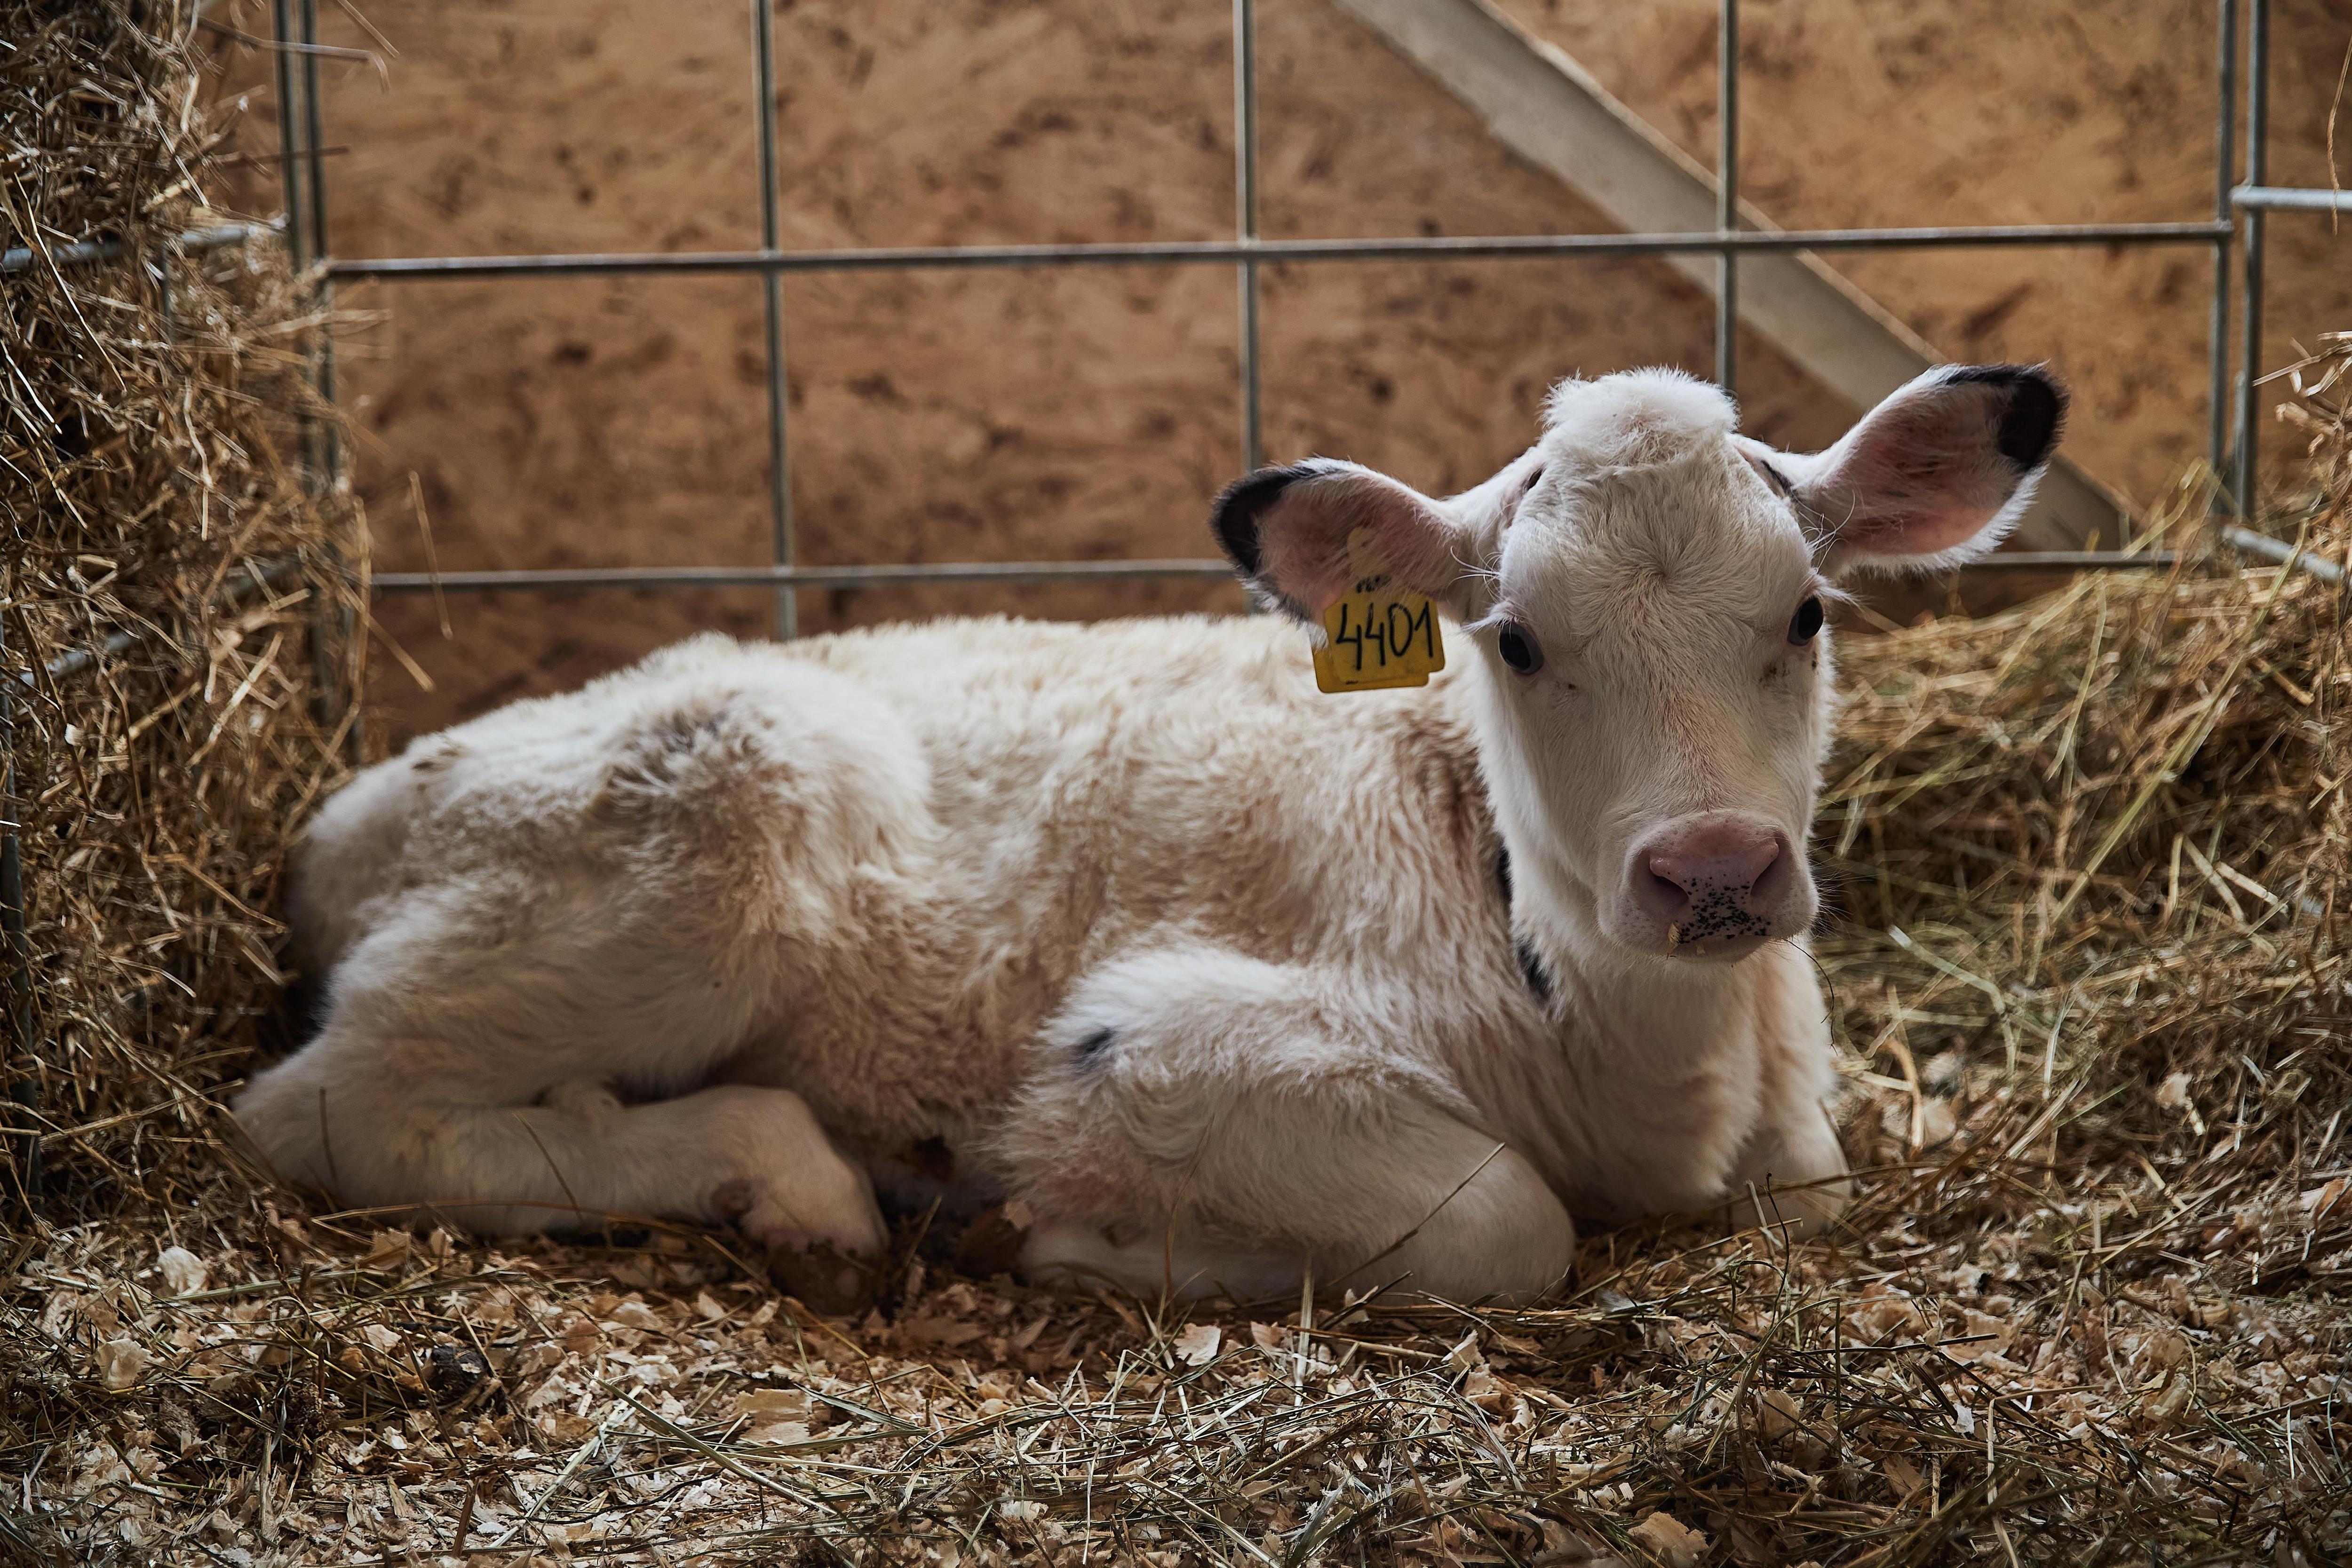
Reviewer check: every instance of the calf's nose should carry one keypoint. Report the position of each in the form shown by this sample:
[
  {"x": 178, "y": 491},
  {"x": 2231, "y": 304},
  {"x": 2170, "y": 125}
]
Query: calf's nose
[{"x": 1719, "y": 868}]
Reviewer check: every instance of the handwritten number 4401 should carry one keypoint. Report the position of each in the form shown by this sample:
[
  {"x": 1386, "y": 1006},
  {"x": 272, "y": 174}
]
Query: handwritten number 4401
[{"x": 1386, "y": 637}]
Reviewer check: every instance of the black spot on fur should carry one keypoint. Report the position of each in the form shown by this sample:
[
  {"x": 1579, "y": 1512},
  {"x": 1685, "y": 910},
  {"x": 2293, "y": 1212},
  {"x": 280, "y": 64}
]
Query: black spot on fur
[
  {"x": 437, "y": 758},
  {"x": 2035, "y": 413},
  {"x": 932, "y": 1160},
  {"x": 1531, "y": 969},
  {"x": 689, "y": 745},
  {"x": 1091, "y": 1048}
]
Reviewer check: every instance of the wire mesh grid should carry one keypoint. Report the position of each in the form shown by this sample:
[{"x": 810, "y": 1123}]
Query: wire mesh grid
[{"x": 1246, "y": 252}]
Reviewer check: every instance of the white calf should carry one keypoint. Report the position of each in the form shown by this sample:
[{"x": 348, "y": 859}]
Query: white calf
[{"x": 1223, "y": 977}]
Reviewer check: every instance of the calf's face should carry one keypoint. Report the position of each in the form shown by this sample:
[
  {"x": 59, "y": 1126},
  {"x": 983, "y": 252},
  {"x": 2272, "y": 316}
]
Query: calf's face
[{"x": 1646, "y": 590}]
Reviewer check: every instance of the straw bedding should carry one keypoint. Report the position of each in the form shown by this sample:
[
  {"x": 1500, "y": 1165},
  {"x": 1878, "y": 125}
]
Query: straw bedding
[{"x": 2089, "y": 977}]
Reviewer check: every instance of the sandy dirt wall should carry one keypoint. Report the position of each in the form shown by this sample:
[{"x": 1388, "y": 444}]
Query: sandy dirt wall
[
  {"x": 1998, "y": 111},
  {"x": 1090, "y": 413}
]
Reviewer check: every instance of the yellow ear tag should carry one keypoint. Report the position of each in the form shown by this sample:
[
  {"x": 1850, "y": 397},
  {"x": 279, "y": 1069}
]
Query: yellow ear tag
[{"x": 1379, "y": 633}]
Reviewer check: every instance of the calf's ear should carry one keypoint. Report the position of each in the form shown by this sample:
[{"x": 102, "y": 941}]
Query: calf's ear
[
  {"x": 1286, "y": 531},
  {"x": 1935, "y": 475}
]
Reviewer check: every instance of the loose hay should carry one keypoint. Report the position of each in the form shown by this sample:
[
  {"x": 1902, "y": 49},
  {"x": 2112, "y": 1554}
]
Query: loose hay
[{"x": 2090, "y": 978}]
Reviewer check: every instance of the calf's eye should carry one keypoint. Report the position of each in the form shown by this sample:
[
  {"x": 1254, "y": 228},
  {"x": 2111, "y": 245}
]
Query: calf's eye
[
  {"x": 1805, "y": 623},
  {"x": 1518, "y": 648}
]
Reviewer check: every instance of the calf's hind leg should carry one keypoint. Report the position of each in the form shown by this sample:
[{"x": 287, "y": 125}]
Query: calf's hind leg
[
  {"x": 610, "y": 888},
  {"x": 1202, "y": 1123},
  {"x": 467, "y": 1076}
]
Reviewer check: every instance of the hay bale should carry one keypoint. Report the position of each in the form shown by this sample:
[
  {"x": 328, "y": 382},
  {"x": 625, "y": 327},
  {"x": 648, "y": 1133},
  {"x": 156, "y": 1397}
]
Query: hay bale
[
  {"x": 2095, "y": 1301},
  {"x": 170, "y": 718},
  {"x": 165, "y": 581}
]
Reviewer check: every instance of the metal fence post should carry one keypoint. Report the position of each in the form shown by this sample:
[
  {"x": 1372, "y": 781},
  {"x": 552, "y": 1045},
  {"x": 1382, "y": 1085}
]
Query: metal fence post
[
  {"x": 331, "y": 446},
  {"x": 301, "y": 237},
  {"x": 1245, "y": 225},
  {"x": 2225, "y": 115},
  {"x": 2250, "y": 364},
  {"x": 781, "y": 543},
  {"x": 303, "y": 176},
  {"x": 1727, "y": 196},
  {"x": 289, "y": 167}
]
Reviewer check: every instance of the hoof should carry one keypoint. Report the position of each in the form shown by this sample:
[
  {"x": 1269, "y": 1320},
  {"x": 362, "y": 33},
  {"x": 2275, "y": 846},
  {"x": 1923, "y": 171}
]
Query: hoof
[
  {"x": 732, "y": 1201},
  {"x": 991, "y": 1245},
  {"x": 821, "y": 1278}
]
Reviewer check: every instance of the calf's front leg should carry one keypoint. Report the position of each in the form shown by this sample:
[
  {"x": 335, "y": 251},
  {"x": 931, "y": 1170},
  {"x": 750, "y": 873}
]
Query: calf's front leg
[
  {"x": 1791, "y": 1176},
  {"x": 1469, "y": 1221},
  {"x": 1201, "y": 1121}
]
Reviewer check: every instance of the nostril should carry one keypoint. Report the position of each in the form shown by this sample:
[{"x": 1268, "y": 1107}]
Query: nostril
[
  {"x": 1663, "y": 885},
  {"x": 1748, "y": 871},
  {"x": 1771, "y": 879}
]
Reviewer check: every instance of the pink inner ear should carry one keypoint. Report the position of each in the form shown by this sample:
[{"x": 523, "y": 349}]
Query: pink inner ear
[
  {"x": 1304, "y": 536},
  {"x": 1917, "y": 478}
]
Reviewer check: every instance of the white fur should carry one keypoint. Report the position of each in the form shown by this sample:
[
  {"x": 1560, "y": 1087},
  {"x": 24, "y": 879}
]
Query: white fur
[{"x": 1209, "y": 969}]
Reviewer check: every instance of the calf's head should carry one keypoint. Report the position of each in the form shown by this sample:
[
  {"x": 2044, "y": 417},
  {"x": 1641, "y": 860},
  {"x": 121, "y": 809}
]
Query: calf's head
[{"x": 1645, "y": 590}]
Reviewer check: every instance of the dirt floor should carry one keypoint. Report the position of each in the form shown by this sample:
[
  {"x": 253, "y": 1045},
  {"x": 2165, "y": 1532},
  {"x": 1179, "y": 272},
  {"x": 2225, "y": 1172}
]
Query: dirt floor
[{"x": 1090, "y": 413}]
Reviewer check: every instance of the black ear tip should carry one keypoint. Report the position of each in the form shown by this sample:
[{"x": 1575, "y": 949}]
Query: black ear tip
[
  {"x": 2030, "y": 425},
  {"x": 1234, "y": 518},
  {"x": 2033, "y": 415}
]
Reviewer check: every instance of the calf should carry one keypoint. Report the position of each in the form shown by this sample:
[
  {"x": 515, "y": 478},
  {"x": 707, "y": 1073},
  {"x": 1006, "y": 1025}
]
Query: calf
[{"x": 1221, "y": 978}]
